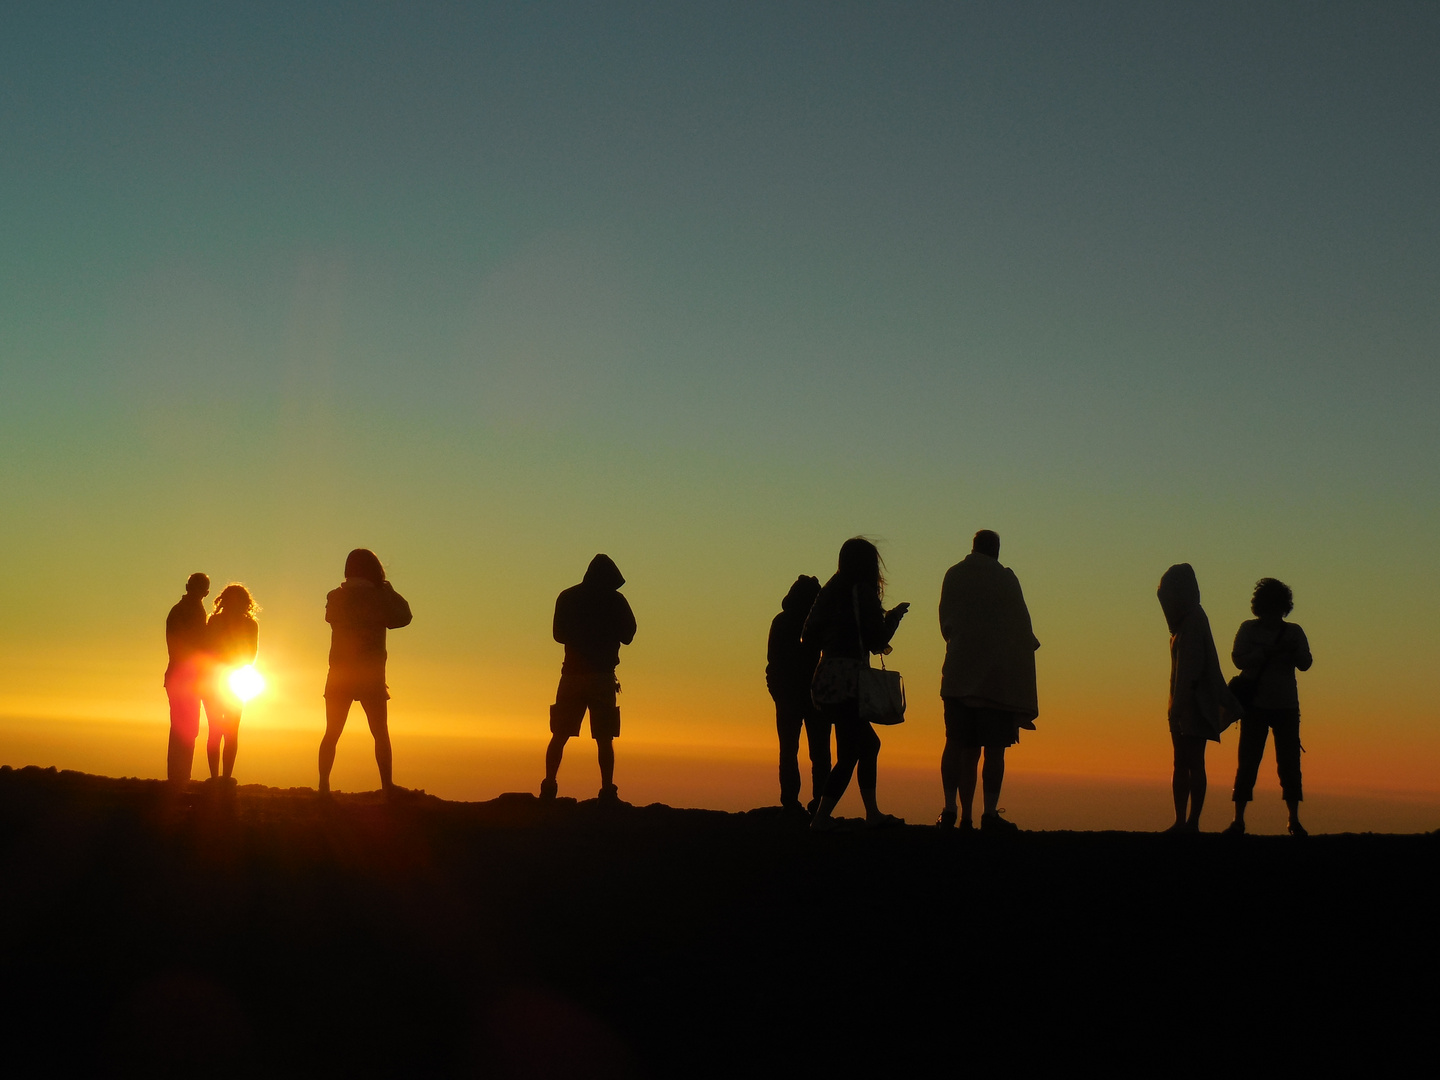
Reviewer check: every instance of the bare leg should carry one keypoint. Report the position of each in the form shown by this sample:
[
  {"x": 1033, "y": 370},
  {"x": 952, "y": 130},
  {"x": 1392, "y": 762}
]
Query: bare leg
[
  {"x": 606, "y": 751},
  {"x": 991, "y": 777},
  {"x": 969, "y": 762},
  {"x": 212, "y": 744},
  {"x": 951, "y": 762},
  {"x": 1198, "y": 784},
  {"x": 336, "y": 711},
  {"x": 230, "y": 748},
  {"x": 553, "y": 754},
  {"x": 1293, "y": 805},
  {"x": 377, "y": 711},
  {"x": 1240, "y": 812}
]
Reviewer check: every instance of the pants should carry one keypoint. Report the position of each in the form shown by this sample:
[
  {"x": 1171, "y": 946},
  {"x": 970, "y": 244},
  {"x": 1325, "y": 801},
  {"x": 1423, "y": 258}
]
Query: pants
[
  {"x": 791, "y": 714},
  {"x": 184, "y": 727},
  {"x": 856, "y": 746},
  {"x": 1254, "y": 729}
]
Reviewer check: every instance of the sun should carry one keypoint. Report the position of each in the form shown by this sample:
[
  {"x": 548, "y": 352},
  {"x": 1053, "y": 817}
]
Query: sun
[{"x": 246, "y": 682}]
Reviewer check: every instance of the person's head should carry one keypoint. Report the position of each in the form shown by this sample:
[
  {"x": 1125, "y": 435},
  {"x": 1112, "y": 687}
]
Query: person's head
[
  {"x": 860, "y": 563},
  {"x": 987, "y": 543},
  {"x": 802, "y": 594},
  {"x": 197, "y": 585},
  {"x": 235, "y": 599},
  {"x": 1272, "y": 599},
  {"x": 1179, "y": 594},
  {"x": 364, "y": 564}
]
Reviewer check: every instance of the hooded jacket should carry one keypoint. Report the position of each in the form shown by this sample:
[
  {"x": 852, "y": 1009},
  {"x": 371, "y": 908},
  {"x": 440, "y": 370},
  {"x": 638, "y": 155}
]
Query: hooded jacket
[
  {"x": 1201, "y": 705},
  {"x": 592, "y": 620},
  {"x": 790, "y": 662},
  {"x": 989, "y": 644}
]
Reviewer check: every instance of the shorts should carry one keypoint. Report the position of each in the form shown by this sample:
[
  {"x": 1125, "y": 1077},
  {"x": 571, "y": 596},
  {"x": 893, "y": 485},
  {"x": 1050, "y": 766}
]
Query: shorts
[
  {"x": 345, "y": 685},
  {"x": 578, "y": 692},
  {"x": 974, "y": 726}
]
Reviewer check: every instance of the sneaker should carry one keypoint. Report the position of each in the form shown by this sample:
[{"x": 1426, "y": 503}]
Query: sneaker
[
  {"x": 609, "y": 794},
  {"x": 946, "y": 820},
  {"x": 548, "y": 790},
  {"x": 824, "y": 824},
  {"x": 884, "y": 821},
  {"x": 1235, "y": 828},
  {"x": 994, "y": 823},
  {"x": 1298, "y": 831}
]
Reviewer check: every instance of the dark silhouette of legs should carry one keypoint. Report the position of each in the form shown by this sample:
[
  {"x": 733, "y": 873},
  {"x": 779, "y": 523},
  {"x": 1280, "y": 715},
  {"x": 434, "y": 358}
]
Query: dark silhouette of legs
[
  {"x": 184, "y": 728},
  {"x": 958, "y": 768},
  {"x": 817, "y": 735},
  {"x": 377, "y": 712},
  {"x": 605, "y": 750},
  {"x": 789, "y": 719},
  {"x": 553, "y": 753},
  {"x": 1188, "y": 781},
  {"x": 1254, "y": 730},
  {"x": 856, "y": 746}
]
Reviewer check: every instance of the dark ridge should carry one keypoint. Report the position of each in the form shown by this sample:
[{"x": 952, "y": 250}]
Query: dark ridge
[{"x": 257, "y": 930}]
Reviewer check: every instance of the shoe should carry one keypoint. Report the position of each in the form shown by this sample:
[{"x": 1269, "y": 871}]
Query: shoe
[
  {"x": 965, "y": 825},
  {"x": 548, "y": 790},
  {"x": 1182, "y": 828},
  {"x": 811, "y": 805},
  {"x": 794, "y": 809},
  {"x": 1298, "y": 831},
  {"x": 997, "y": 824},
  {"x": 884, "y": 821},
  {"x": 1235, "y": 828},
  {"x": 609, "y": 794},
  {"x": 946, "y": 820},
  {"x": 824, "y": 824}
]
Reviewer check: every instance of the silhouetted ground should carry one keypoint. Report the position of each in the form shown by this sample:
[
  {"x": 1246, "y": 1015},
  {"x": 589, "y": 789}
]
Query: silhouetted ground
[{"x": 270, "y": 932}]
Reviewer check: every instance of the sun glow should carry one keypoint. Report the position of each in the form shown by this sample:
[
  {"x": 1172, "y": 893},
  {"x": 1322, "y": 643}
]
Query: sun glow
[{"x": 246, "y": 682}]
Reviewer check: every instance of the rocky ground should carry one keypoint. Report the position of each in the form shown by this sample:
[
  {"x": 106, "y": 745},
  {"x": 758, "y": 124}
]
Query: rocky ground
[{"x": 258, "y": 931}]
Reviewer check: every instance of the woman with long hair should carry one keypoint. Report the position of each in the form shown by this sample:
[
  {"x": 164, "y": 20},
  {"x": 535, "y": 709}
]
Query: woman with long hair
[
  {"x": 847, "y": 623},
  {"x": 359, "y": 612},
  {"x": 232, "y": 638}
]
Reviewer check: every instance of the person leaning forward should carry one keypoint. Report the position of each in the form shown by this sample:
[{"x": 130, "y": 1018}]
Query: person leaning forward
[
  {"x": 988, "y": 680},
  {"x": 592, "y": 621}
]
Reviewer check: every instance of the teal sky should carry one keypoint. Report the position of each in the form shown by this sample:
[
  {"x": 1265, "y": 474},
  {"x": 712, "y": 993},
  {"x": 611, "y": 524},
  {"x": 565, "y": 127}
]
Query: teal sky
[{"x": 712, "y": 287}]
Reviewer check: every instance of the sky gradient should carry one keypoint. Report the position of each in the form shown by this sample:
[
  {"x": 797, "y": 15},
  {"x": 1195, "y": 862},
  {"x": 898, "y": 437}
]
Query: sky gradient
[{"x": 711, "y": 288}]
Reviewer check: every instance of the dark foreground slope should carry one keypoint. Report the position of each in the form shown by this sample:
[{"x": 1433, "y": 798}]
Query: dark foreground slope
[{"x": 272, "y": 932}]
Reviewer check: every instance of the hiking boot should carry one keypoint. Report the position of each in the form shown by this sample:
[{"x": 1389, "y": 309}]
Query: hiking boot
[
  {"x": 994, "y": 823},
  {"x": 548, "y": 790},
  {"x": 610, "y": 794}
]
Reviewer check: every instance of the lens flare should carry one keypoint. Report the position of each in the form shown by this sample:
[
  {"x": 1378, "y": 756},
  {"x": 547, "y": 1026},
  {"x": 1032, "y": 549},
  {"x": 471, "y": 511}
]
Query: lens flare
[{"x": 246, "y": 682}]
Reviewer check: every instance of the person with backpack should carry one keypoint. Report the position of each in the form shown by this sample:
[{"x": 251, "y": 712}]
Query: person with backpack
[{"x": 790, "y": 665}]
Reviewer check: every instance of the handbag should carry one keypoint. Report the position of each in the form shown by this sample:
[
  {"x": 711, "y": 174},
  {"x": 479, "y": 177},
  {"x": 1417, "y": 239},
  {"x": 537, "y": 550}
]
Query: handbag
[
  {"x": 1244, "y": 687},
  {"x": 879, "y": 692}
]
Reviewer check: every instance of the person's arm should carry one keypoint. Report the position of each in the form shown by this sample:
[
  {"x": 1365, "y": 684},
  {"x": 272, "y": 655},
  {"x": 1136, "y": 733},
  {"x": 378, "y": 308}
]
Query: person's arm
[
  {"x": 945, "y": 603},
  {"x": 252, "y": 640},
  {"x": 878, "y": 626},
  {"x": 397, "y": 610},
  {"x": 626, "y": 620},
  {"x": 1300, "y": 649}
]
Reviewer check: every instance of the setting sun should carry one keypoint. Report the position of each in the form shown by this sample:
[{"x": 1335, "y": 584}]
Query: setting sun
[{"x": 246, "y": 682}]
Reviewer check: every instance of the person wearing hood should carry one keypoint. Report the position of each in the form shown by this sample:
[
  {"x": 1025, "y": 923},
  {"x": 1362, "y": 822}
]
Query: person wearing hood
[
  {"x": 987, "y": 682},
  {"x": 1201, "y": 706},
  {"x": 592, "y": 621},
  {"x": 359, "y": 612},
  {"x": 790, "y": 665},
  {"x": 185, "y": 675}
]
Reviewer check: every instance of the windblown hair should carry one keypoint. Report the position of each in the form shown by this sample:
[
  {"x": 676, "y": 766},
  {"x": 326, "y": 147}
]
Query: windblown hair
[
  {"x": 235, "y": 599},
  {"x": 860, "y": 564},
  {"x": 364, "y": 563},
  {"x": 1271, "y": 597}
]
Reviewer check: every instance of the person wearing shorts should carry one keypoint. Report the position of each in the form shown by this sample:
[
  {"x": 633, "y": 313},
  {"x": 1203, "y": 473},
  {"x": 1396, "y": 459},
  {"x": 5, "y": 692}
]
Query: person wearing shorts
[
  {"x": 592, "y": 621},
  {"x": 987, "y": 683}
]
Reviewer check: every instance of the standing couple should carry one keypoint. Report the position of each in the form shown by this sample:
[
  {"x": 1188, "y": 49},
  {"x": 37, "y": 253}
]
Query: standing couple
[{"x": 204, "y": 653}]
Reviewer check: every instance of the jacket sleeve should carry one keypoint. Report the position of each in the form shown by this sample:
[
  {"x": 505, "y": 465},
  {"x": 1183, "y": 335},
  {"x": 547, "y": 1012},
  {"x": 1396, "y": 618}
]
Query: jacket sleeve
[
  {"x": 625, "y": 618},
  {"x": 1300, "y": 649},
  {"x": 1247, "y": 653},
  {"x": 877, "y": 625},
  {"x": 397, "y": 610}
]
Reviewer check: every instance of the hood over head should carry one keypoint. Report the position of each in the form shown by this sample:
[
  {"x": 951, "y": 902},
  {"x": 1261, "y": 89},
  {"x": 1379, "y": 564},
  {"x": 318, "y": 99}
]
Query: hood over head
[
  {"x": 801, "y": 597},
  {"x": 602, "y": 573},
  {"x": 1179, "y": 594}
]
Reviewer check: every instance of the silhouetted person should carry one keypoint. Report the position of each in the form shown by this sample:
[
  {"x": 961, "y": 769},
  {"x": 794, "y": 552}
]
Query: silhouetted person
[
  {"x": 856, "y": 586},
  {"x": 790, "y": 667},
  {"x": 1200, "y": 703},
  {"x": 359, "y": 612},
  {"x": 1270, "y": 650},
  {"x": 592, "y": 621},
  {"x": 185, "y": 675},
  {"x": 988, "y": 680},
  {"x": 231, "y": 638}
]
